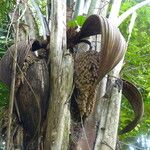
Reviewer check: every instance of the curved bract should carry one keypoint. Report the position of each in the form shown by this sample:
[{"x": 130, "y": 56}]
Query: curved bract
[
  {"x": 7, "y": 61},
  {"x": 32, "y": 94},
  {"x": 113, "y": 45},
  {"x": 92, "y": 26},
  {"x": 134, "y": 97}
]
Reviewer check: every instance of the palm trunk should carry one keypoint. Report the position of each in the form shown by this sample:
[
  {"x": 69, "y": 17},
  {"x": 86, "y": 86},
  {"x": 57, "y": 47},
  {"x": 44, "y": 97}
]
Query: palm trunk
[{"x": 61, "y": 66}]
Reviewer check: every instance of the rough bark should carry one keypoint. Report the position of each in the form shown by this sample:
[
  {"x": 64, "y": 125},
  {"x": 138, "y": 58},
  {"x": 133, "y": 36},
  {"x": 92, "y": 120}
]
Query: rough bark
[
  {"x": 78, "y": 8},
  {"x": 30, "y": 21},
  {"x": 108, "y": 125},
  {"x": 61, "y": 66}
]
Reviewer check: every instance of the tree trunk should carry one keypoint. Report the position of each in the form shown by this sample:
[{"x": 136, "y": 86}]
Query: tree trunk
[
  {"x": 61, "y": 80},
  {"x": 108, "y": 106}
]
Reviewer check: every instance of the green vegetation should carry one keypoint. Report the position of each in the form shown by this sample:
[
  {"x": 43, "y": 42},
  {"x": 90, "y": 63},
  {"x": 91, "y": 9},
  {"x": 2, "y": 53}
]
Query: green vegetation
[
  {"x": 5, "y": 7},
  {"x": 78, "y": 21}
]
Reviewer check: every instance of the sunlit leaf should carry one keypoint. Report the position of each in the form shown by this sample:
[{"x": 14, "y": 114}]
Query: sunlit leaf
[{"x": 77, "y": 22}]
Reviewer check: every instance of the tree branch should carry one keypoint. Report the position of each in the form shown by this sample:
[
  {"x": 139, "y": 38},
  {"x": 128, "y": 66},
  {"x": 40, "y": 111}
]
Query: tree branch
[
  {"x": 41, "y": 18},
  {"x": 30, "y": 21},
  {"x": 122, "y": 17},
  {"x": 78, "y": 8},
  {"x": 61, "y": 80},
  {"x": 115, "y": 9},
  {"x": 12, "y": 91}
]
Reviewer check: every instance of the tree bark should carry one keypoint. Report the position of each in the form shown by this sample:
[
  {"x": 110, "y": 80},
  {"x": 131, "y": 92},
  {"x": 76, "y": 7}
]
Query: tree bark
[
  {"x": 108, "y": 108},
  {"x": 30, "y": 21},
  {"x": 61, "y": 78},
  {"x": 78, "y": 8}
]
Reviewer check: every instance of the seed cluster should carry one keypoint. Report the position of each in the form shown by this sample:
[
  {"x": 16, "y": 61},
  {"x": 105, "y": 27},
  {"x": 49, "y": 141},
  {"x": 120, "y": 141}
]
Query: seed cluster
[{"x": 86, "y": 75}]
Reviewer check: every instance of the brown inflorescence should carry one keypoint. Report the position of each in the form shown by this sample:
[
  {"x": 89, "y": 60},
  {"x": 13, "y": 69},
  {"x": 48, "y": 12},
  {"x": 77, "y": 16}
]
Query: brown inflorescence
[{"x": 86, "y": 75}]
